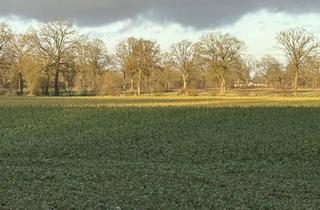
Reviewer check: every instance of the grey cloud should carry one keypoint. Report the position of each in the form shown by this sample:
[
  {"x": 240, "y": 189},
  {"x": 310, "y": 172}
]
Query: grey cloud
[{"x": 196, "y": 13}]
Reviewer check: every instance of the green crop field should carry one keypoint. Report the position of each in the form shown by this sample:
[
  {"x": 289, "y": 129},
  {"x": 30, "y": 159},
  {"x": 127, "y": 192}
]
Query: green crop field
[{"x": 160, "y": 153}]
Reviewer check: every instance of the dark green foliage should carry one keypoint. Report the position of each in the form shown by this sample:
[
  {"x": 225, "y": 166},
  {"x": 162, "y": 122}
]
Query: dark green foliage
[{"x": 159, "y": 158}]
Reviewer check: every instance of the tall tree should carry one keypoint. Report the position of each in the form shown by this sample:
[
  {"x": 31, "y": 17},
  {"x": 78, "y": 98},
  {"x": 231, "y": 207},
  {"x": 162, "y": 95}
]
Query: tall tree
[
  {"x": 244, "y": 68},
  {"x": 298, "y": 44},
  {"x": 138, "y": 57},
  {"x": 5, "y": 37},
  {"x": 21, "y": 62},
  {"x": 312, "y": 70},
  {"x": 54, "y": 41},
  {"x": 146, "y": 58},
  {"x": 98, "y": 60},
  {"x": 183, "y": 56},
  {"x": 269, "y": 68},
  {"x": 82, "y": 66},
  {"x": 124, "y": 54},
  {"x": 220, "y": 52}
]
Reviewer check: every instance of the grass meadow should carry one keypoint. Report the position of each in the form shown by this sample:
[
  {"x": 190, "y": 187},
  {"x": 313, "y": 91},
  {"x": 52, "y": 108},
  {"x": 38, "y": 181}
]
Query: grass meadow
[{"x": 160, "y": 153}]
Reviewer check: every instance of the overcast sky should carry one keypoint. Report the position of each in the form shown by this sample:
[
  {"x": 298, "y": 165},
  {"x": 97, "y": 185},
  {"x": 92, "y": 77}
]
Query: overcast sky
[{"x": 254, "y": 21}]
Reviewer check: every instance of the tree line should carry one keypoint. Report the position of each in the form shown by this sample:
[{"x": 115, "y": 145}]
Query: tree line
[{"x": 54, "y": 59}]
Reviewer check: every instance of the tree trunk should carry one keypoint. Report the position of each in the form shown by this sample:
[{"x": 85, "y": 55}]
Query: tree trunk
[
  {"x": 280, "y": 82},
  {"x": 100, "y": 84},
  {"x": 68, "y": 89},
  {"x": 295, "y": 84},
  {"x": 185, "y": 90},
  {"x": 56, "y": 83},
  {"x": 124, "y": 86},
  {"x": 132, "y": 84},
  {"x": 81, "y": 82},
  {"x": 238, "y": 82},
  {"x": 95, "y": 82},
  {"x": 148, "y": 83},
  {"x": 46, "y": 88},
  {"x": 222, "y": 86},
  {"x": 20, "y": 84},
  {"x": 185, "y": 82},
  {"x": 139, "y": 83}
]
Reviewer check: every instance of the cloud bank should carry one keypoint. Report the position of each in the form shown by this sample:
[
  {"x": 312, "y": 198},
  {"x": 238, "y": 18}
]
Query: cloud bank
[{"x": 194, "y": 13}]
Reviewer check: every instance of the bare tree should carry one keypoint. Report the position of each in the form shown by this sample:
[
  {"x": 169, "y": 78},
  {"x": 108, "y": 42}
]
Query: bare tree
[
  {"x": 247, "y": 68},
  {"x": 19, "y": 52},
  {"x": 138, "y": 57},
  {"x": 243, "y": 70},
  {"x": 312, "y": 70},
  {"x": 166, "y": 77},
  {"x": 82, "y": 66},
  {"x": 269, "y": 68},
  {"x": 220, "y": 52},
  {"x": 146, "y": 57},
  {"x": 298, "y": 44},
  {"x": 124, "y": 55},
  {"x": 5, "y": 38},
  {"x": 54, "y": 41},
  {"x": 99, "y": 60},
  {"x": 183, "y": 56}
]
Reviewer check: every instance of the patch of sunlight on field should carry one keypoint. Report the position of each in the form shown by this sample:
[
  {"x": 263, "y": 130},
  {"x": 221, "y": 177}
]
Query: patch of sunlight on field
[{"x": 149, "y": 101}]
